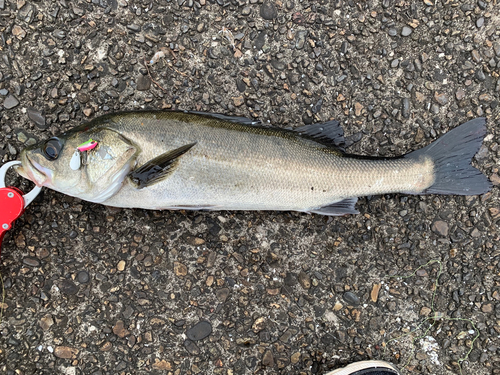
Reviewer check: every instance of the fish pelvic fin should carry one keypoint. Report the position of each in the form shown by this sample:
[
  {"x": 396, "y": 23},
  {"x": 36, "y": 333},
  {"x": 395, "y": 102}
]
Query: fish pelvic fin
[
  {"x": 158, "y": 168},
  {"x": 452, "y": 155}
]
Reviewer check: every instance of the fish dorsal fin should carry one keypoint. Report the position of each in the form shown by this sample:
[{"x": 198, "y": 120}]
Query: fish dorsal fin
[
  {"x": 235, "y": 119},
  {"x": 344, "y": 207},
  {"x": 157, "y": 168},
  {"x": 329, "y": 132}
]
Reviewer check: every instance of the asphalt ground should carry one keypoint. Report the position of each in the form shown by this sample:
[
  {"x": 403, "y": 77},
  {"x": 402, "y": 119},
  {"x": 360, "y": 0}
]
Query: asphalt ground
[{"x": 413, "y": 280}]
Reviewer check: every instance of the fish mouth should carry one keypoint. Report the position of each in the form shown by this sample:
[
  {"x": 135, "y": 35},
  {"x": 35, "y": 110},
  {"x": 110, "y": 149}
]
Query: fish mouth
[{"x": 33, "y": 171}]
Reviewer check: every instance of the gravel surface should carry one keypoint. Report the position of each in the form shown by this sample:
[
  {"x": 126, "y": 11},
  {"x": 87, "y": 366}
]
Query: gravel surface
[{"x": 96, "y": 290}]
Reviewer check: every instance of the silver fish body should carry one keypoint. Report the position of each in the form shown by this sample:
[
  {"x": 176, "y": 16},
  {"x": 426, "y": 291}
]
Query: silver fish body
[{"x": 228, "y": 164}]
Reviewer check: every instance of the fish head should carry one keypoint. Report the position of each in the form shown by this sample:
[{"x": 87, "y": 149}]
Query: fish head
[{"x": 94, "y": 174}]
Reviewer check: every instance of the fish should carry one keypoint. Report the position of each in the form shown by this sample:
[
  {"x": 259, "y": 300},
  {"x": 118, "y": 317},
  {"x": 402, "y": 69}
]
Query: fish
[{"x": 200, "y": 161}]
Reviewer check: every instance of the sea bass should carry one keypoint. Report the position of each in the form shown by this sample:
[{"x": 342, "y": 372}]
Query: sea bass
[{"x": 197, "y": 161}]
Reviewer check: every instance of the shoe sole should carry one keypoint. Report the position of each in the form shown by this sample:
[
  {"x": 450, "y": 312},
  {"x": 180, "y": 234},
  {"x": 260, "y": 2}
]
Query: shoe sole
[{"x": 363, "y": 365}]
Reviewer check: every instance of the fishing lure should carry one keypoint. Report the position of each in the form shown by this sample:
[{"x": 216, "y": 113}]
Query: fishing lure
[{"x": 76, "y": 160}]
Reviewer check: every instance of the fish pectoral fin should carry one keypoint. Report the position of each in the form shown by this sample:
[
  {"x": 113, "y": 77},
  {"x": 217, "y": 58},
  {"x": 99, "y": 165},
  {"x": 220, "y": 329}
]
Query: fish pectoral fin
[
  {"x": 329, "y": 132},
  {"x": 157, "y": 168},
  {"x": 344, "y": 207}
]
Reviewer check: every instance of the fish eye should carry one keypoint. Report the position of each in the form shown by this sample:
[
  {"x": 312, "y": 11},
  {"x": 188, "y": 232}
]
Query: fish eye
[{"x": 52, "y": 149}]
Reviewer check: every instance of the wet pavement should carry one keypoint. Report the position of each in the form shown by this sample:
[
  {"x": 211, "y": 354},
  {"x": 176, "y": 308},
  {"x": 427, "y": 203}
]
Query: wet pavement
[{"x": 412, "y": 279}]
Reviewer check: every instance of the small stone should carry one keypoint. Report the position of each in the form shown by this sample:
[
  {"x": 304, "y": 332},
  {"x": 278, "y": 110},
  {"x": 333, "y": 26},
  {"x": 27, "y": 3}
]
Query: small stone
[
  {"x": 199, "y": 331},
  {"x": 351, "y": 298},
  {"x": 180, "y": 269},
  {"x": 480, "y": 22},
  {"x": 295, "y": 358},
  {"x": 133, "y": 27},
  {"x": 46, "y": 322},
  {"x": 143, "y": 83},
  {"x": 440, "y": 227},
  {"x": 425, "y": 311},
  {"x": 487, "y": 308},
  {"x": 338, "y": 306},
  {"x": 162, "y": 365},
  {"x": 495, "y": 179},
  {"x": 106, "y": 347},
  {"x": 59, "y": 34},
  {"x": 68, "y": 287},
  {"x": 32, "y": 262},
  {"x": 83, "y": 277},
  {"x": 65, "y": 352},
  {"x": 222, "y": 294},
  {"x": 18, "y": 32},
  {"x": 87, "y": 112},
  {"x": 495, "y": 212},
  {"x": 268, "y": 10},
  {"x": 83, "y": 97},
  {"x": 121, "y": 265},
  {"x": 268, "y": 359},
  {"x": 406, "y": 31},
  {"x": 460, "y": 94},
  {"x": 304, "y": 280},
  {"x": 191, "y": 347},
  {"x": 358, "y": 107},
  {"x": 485, "y": 98},
  {"x": 374, "y": 293},
  {"x": 238, "y": 101},
  {"x": 442, "y": 99},
  {"x": 259, "y": 324},
  {"x": 10, "y": 102},
  {"x": 36, "y": 116},
  {"x": 120, "y": 330}
]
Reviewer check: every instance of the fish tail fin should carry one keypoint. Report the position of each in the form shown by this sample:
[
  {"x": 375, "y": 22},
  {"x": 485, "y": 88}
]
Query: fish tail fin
[{"x": 452, "y": 155}]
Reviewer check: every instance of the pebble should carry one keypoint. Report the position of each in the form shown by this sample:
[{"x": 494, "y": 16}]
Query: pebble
[
  {"x": 199, "y": 331},
  {"x": 191, "y": 347},
  {"x": 32, "y": 262},
  {"x": 460, "y": 94},
  {"x": 304, "y": 280},
  {"x": 18, "y": 32},
  {"x": 441, "y": 98},
  {"x": 222, "y": 294},
  {"x": 68, "y": 287},
  {"x": 238, "y": 101},
  {"x": 180, "y": 269},
  {"x": 351, "y": 298},
  {"x": 121, "y": 265},
  {"x": 46, "y": 322},
  {"x": 268, "y": 10},
  {"x": 406, "y": 31},
  {"x": 83, "y": 277},
  {"x": 143, "y": 83},
  {"x": 120, "y": 330},
  {"x": 60, "y": 34},
  {"x": 65, "y": 352},
  {"x": 10, "y": 102},
  {"x": 268, "y": 359},
  {"x": 440, "y": 227},
  {"x": 37, "y": 117},
  {"x": 480, "y": 22}
]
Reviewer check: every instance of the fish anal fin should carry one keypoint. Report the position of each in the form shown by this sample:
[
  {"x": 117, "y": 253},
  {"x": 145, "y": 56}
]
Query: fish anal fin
[
  {"x": 341, "y": 208},
  {"x": 158, "y": 168},
  {"x": 329, "y": 132}
]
